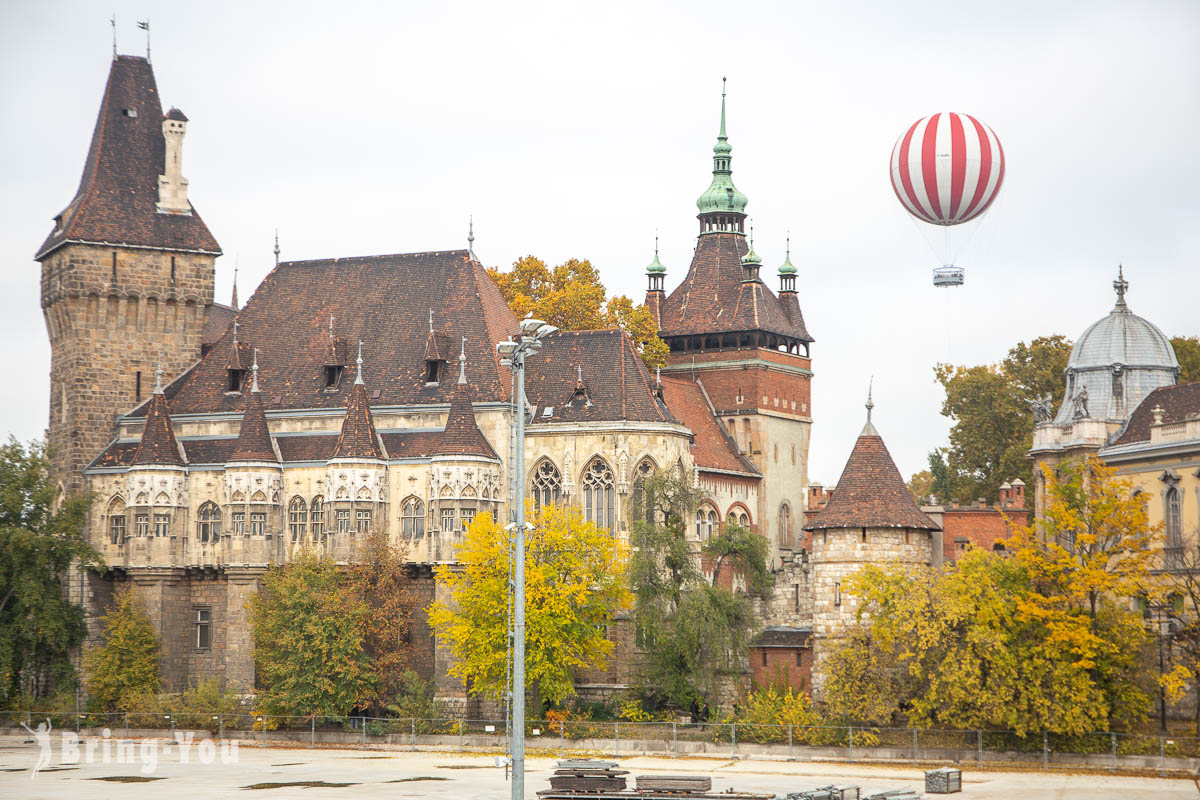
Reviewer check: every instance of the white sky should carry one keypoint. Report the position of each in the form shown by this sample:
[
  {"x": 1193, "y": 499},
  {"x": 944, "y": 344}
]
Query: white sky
[{"x": 578, "y": 130}]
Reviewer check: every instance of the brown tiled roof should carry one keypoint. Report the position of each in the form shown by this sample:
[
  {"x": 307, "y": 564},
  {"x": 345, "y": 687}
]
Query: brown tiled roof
[
  {"x": 358, "y": 438},
  {"x": 871, "y": 493},
  {"x": 158, "y": 444},
  {"x": 385, "y": 301},
  {"x": 1178, "y": 404},
  {"x": 462, "y": 436},
  {"x": 713, "y": 298},
  {"x": 118, "y": 193},
  {"x": 712, "y": 446},
  {"x": 254, "y": 437},
  {"x": 216, "y": 322},
  {"x": 615, "y": 379},
  {"x": 783, "y": 636}
]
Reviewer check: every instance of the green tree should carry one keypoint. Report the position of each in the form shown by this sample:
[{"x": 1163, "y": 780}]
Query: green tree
[
  {"x": 920, "y": 486},
  {"x": 1187, "y": 352},
  {"x": 694, "y": 633},
  {"x": 378, "y": 580},
  {"x": 124, "y": 669},
  {"x": 572, "y": 297},
  {"x": 310, "y": 637},
  {"x": 574, "y": 584},
  {"x": 990, "y": 406},
  {"x": 39, "y": 542}
]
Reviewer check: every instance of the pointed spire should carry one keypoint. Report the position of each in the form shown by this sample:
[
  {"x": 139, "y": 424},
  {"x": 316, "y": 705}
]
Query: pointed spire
[
  {"x": 751, "y": 257},
  {"x": 462, "y": 363},
  {"x": 431, "y": 319},
  {"x": 233, "y": 301},
  {"x": 655, "y": 267},
  {"x": 254, "y": 437},
  {"x": 722, "y": 195},
  {"x": 358, "y": 378},
  {"x": 158, "y": 445},
  {"x": 869, "y": 428},
  {"x": 471, "y": 237},
  {"x": 114, "y": 29},
  {"x": 786, "y": 268},
  {"x": 158, "y": 373},
  {"x": 358, "y": 438},
  {"x": 1120, "y": 285},
  {"x": 277, "y": 247},
  {"x": 254, "y": 374},
  {"x": 461, "y": 436}
]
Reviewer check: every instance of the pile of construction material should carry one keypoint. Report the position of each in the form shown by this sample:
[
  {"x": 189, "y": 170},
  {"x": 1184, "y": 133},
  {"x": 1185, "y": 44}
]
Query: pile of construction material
[
  {"x": 946, "y": 780},
  {"x": 588, "y": 775},
  {"x": 827, "y": 793},
  {"x": 675, "y": 784}
]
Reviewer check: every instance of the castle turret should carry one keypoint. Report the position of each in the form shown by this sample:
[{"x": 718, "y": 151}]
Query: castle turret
[
  {"x": 172, "y": 186},
  {"x": 156, "y": 489},
  {"x": 655, "y": 275},
  {"x": 356, "y": 473},
  {"x": 254, "y": 486}
]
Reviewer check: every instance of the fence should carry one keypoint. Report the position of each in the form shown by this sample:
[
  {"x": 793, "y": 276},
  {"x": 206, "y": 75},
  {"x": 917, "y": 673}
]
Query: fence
[{"x": 848, "y": 743}]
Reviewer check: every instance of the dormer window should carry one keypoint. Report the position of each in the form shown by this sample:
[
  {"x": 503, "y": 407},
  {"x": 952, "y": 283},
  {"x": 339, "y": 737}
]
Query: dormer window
[
  {"x": 333, "y": 376},
  {"x": 433, "y": 371},
  {"x": 129, "y": 112},
  {"x": 237, "y": 380}
]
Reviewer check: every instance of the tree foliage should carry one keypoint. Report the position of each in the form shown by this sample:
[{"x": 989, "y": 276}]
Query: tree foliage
[
  {"x": 39, "y": 543},
  {"x": 310, "y": 641},
  {"x": 572, "y": 297},
  {"x": 574, "y": 584},
  {"x": 1041, "y": 640},
  {"x": 124, "y": 670},
  {"x": 1187, "y": 352},
  {"x": 693, "y": 632},
  {"x": 992, "y": 416},
  {"x": 378, "y": 579}
]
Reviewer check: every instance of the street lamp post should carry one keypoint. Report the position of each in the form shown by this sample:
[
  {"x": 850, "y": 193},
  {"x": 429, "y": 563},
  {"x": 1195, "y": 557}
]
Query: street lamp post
[{"x": 513, "y": 355}]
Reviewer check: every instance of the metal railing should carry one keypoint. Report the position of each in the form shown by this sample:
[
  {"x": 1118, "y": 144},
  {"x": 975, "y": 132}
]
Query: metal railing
[{"x": 619, "y": 737}]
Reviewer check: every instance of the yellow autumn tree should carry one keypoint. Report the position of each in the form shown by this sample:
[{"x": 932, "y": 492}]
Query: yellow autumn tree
[
  {"x": 574, "y": 583},
  {"x": 572, "y": 297}
]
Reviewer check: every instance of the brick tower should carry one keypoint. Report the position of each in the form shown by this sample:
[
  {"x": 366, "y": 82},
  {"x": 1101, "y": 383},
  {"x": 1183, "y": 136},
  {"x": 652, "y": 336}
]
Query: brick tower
[
  {"x": 747, "y": 347},
  {"x": 127, "y": 272}
]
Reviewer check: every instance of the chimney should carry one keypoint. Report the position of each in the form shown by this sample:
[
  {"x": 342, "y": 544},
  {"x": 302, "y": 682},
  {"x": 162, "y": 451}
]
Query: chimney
[
  {"x": 981, "y": 502},
  {"x": 172, "y": 186},
  {"x": 1005, "y": 494},
  {"x": 1018, "y": 493},
  {"x": 817, "y": 497}
]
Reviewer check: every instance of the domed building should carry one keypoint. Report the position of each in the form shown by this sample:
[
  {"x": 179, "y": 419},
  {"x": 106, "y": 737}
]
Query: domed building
[{"x": 1115, "y": 364}]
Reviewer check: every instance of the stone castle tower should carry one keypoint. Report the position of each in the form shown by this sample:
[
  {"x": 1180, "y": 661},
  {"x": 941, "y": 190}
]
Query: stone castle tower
[
  {"x": 127, "y": 272},
  {"x": 746, "y": 346}
]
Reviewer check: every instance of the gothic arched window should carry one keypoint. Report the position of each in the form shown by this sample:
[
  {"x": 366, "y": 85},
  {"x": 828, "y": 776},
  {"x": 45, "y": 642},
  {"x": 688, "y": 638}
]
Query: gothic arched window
[
  {"x": 209, "y": 522},
  {"x": 645, "y": 469},
  {"x": 546, "y": 484},
  {"x": 316, "y": 517},
  {"x": 297, "y": 518},
  {"x": 785, "y": 525},
  {"x": 116, "y": 521},
  {"x": 1173, "y": 519},
  {"x": 598, "y": 495},
  {"x": 412, "y": 519}
]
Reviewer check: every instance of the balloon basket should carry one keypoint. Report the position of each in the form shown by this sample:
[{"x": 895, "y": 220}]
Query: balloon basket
[{"x": 948, "y": 276}]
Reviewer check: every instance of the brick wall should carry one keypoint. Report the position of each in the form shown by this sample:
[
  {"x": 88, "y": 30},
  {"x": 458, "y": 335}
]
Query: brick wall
[{"x": 782, "y": 666}]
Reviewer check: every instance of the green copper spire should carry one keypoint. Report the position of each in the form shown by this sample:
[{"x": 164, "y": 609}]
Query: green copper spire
[
  {"x": 655, "y": 267},
  {"x": 721, "y": 194},
  {"x": 786, "y": 267},
  {"x": 751, "y": 258}
]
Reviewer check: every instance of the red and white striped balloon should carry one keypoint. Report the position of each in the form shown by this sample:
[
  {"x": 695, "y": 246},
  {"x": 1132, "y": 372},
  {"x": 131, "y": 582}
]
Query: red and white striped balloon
[{"x": 947, "y": 168}]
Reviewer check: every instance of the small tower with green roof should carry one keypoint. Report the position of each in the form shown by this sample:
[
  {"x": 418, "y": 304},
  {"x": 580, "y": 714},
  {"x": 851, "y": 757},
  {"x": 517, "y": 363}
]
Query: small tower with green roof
[
  {"x": 787, "y": 272},
  {"x": 655, "y": 272},
  {"x": 751, "y": 263},
  {"x": 722, "y": 206}
]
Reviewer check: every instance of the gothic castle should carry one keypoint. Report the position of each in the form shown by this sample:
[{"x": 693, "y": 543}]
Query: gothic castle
[{"x": 363, "y": 392}]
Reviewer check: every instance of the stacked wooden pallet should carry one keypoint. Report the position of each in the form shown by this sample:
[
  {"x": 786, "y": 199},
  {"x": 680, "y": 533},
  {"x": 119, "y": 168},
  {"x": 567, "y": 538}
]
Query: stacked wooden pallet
[
  {"x": 946, "y": 780},
  {"x": 589, "y": 779},
  {"x": 826, "y": 793},
  {"x": 587, "y": 775},
  {"x": 675, "y": 784}
]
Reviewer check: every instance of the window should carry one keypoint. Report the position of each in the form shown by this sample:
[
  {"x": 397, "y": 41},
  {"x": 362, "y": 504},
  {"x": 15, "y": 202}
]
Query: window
[
  {"x": 837, "y": 593},
  {"x": 343, "y": 520},
  {"x": 412, "y": 519},
  {"x": 706, "y": 523},
  {"x": 1173, "y": 522},
  {"x": 162, "y": 525},
  {"x": 799, "y": 659},
  {"x": 743, "y": 520},
  {"x": 258, "y": 523},
  {"x": 468, "y": 516},
  {"x": 785, "y": 525},
  {"x": 764, "y": 656},
  {"x": 297, "y": 518},
  {"x": 644, "y": 470},
  {"x": 546, "y": 485},
  {"x": 237, "y": 379},
  {"x": 203, "y": 625},
  {"x": 333, "y": 376},
  {"x": 700, "y": 525},
  {"x": 141, "y": 525},
  {"x": 362, "y": 520},
  {"x": 116, "y": 526},
  {"x": 447, "y": 520},
  {"x": 316, "y": 517},
  {"x": 598, "y": 500},
  {"x": 239, "y": 523},
  {"x": 433, "y": 371},
  {"x": 209, "y": 522}
]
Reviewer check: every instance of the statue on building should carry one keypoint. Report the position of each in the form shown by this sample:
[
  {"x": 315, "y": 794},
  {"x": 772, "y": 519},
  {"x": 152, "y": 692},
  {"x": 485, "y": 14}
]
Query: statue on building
[
  {"x": 1080, "y": 402},
  {"x": 1043, "y": 411}
]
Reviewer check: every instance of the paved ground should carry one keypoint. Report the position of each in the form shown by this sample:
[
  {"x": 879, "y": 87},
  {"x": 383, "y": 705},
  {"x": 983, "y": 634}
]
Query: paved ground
[{"x": 389, "y": 774}]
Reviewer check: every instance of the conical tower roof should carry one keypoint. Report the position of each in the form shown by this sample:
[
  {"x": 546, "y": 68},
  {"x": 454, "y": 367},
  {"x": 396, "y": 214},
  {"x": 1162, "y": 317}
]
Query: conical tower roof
[
  {"x": 358, "y": 438},
  {"x": 158, "y": 445},
  {"x": 462, "y": 436},
  {"x": 871, "y": 493},
  {"x": 254, "y": 438}
]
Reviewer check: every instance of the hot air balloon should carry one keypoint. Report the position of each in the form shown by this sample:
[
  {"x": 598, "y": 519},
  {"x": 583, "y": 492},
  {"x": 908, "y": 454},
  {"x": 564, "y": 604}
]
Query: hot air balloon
[{"x": 946, "y": 170}]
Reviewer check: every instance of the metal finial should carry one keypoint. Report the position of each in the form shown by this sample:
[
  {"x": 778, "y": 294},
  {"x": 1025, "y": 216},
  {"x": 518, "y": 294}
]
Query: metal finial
[
  {"x": 233, "y": 300},
  {"x": 358, "y": 379},
  {"x": 656, "y": 244},
  {"x": 145, "y": 25},
  {"x": 721, "y": 135},
  {"x": 235, "y": 332},
  {"x": 331, "y": 326},
  {"x": 431, "y": 319},
  {"x": 870, "y": 402},
  {"x": 751, "y": 234},
  {"x": 658, "y": 376},
  {"x": 788, "y": 246},
  {"x": 277, "y": 247},
  {"x": 1121, "y": 286},
  {"x": 158, "y": 373},
  {"x": 462, "y": 362},
  {"x": 254, "y": 373},
  {"x": 114, "y": 29},
  {"x": 471, "y": 235},
  {"x": 579, "y": 372}
]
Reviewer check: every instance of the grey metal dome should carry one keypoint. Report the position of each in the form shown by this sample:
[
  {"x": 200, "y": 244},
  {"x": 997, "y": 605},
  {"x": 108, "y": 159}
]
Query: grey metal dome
[{"x": 1117, "y": 361}]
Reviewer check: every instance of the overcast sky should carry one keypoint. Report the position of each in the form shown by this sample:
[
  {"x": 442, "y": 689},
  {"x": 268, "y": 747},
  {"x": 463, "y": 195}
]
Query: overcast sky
[{"x": 578, "y": 130}]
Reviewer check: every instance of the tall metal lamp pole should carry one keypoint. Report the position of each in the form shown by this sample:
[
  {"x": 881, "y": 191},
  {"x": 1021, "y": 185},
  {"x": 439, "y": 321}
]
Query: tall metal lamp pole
[{"x": 513, "y": 354}]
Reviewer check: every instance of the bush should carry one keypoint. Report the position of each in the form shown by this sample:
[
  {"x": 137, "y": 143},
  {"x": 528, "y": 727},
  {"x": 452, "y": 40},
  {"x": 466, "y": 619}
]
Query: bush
[
  {"x": 125, "y": 668},
  {"x": 415, "y": 701}
]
